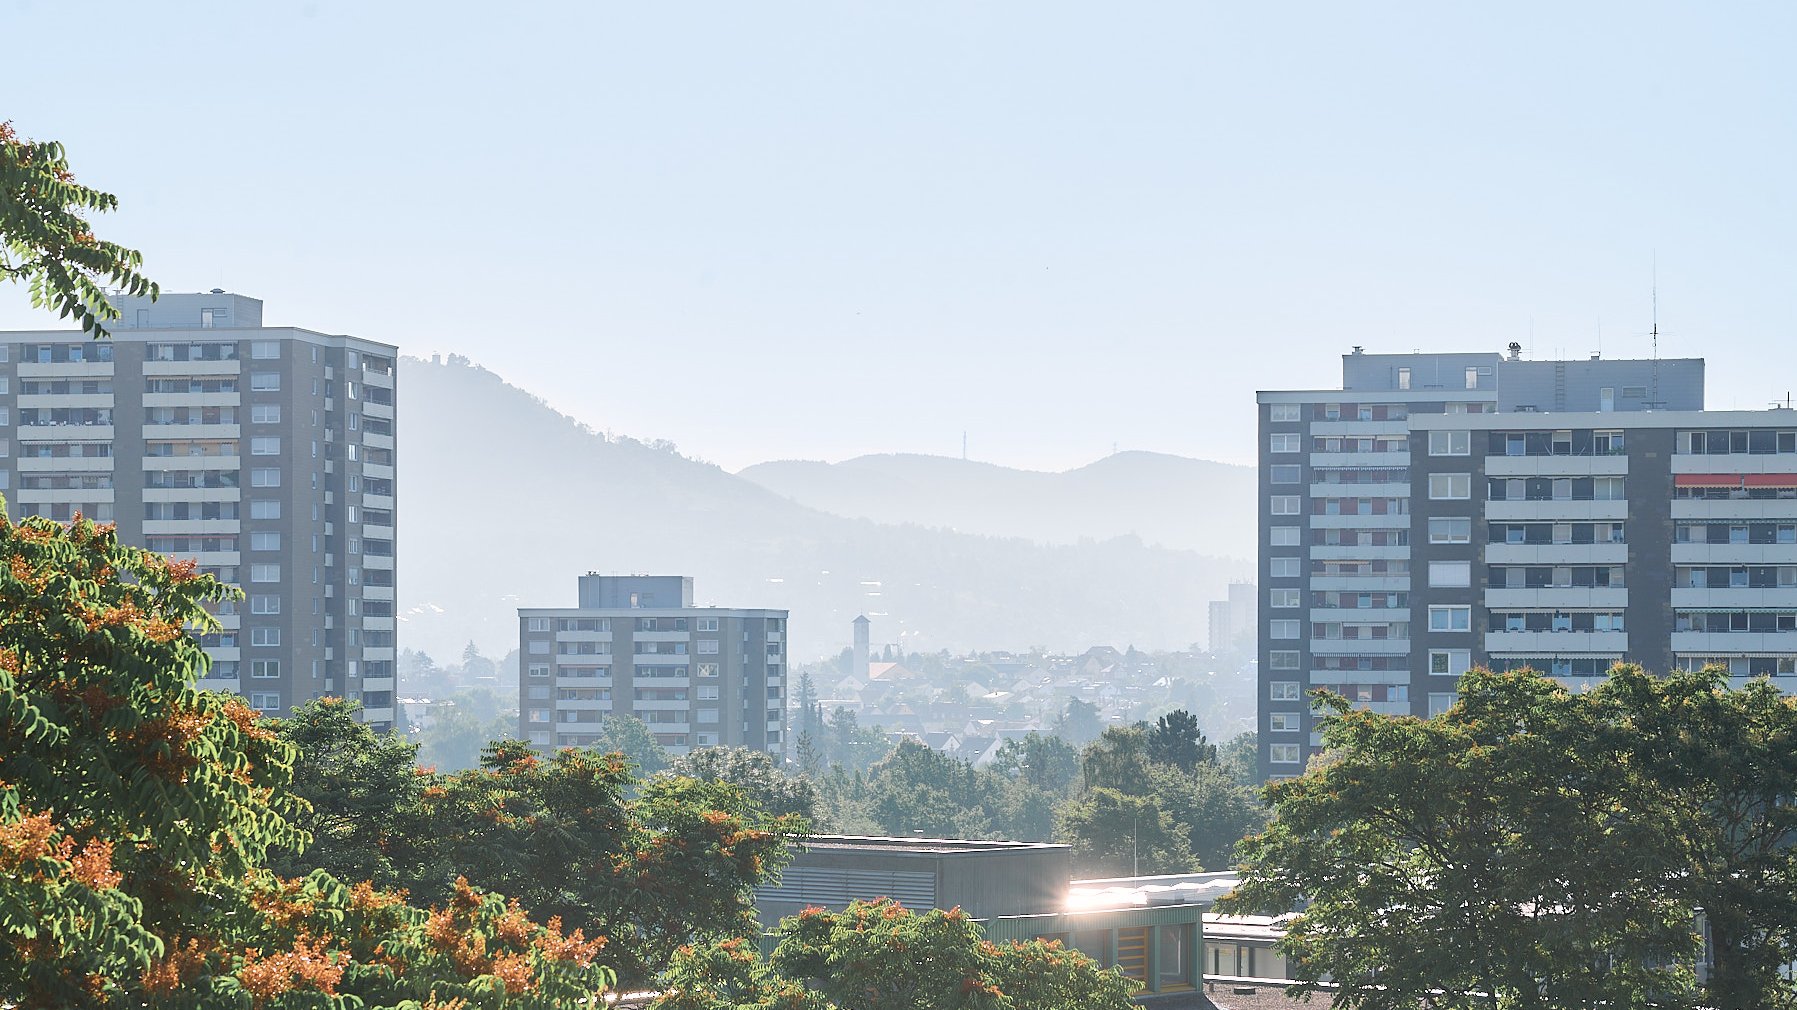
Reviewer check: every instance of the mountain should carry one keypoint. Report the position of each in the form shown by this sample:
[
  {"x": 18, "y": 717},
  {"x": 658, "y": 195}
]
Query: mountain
[
  {"x": 503, "y": 502},
  {"x": 1168, "y": 501}
]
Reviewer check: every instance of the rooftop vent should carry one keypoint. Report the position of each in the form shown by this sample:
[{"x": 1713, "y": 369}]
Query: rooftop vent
[{"x": 1515, "y": 351}]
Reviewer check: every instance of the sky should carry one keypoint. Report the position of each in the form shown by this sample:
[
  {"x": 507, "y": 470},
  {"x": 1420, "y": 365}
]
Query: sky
[{"x": 817, "y": 230}]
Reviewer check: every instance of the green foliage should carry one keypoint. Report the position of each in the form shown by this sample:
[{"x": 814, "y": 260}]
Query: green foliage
[
  {"x": 1176, "y": 740},
  {"x": 137, "y": 815},
  {"x": 1511, "y": 847},
  {"x": 1048, "y": 763},
  {"x": 361, "y": 788},
  {"x": 1080, "y": 723},
  {"x": 847, "y": 743},
  {"x": 755, "y": 773},
  {"x": 1119, "y": 834},
  {"x": 462, "y": 730},
  {"x": 1238, "y": 758},
  {"x": 630, "y": 736},
  {"x": 46, "y": 241},
  {"x": 879, "y": 956}
]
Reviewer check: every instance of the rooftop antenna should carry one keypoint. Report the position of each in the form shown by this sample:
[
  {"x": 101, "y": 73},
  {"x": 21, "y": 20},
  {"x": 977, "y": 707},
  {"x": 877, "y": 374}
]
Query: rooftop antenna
[
  {"x": 964, "y": 445},
  {"x": 1653, "y": 399}
]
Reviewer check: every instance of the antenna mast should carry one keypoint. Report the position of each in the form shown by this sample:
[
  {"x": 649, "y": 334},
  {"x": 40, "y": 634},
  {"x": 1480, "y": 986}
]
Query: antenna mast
[{"x": 1653, "y": 398}]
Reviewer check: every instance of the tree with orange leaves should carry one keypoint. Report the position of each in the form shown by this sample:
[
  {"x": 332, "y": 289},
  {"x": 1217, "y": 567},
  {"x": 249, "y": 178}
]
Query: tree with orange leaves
[{"x": 137, "y": 814}]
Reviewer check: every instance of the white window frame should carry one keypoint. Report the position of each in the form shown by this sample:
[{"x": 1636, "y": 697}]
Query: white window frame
[
  {"x": 1283, "y": 630},
  {"x": 1450, "y": 574},
  {"x": 1450, "y": 443},
  {"x": 1284, "y": 753},
  {"x": 1451, "y": 534},
  {"x": 1284, "y": 536},
  {"x": 1286, "y": 504},
  {"x": 1284, "y": 690},
  {"x": 1285, "y": 442},
  {"x": 1447, "y": 615},
  {"x": 1450, "y": 486}
]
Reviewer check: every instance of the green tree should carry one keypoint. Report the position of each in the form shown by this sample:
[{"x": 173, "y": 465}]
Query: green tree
[
  {"x": 1119, "y": 834},
  {"x": 674, "y": 866},
  {"x": 1215, "y": 813},
  {"x": 1499, "y": 855},
  {"x": 1238, "y": 757},
  {"x": 137, "y": 814},
  {"x": 1725, "y": 764},
  {"x": 877, "y": 955},
  {"x": 461, "y": 731},
  {"x": 755, "y": 773},
  {"x": 1080, "y": 723},
  {"x": 852, "y": 745},
  {"x": 47, "y": 242},
  {"x": 916, "y": 788},
  {"x": 1117, "y": 759},
  {"x": 1176, "y": 740},
  {"x": 630, "y": 736},
  {"x": 360, "y": 786},
  {"x": 1048, "y": 763}
]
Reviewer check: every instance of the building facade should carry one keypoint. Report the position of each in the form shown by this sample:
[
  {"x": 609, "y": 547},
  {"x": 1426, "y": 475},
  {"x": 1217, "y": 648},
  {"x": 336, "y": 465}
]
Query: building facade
[
  {"x": 1398, "y": 549},
  {"x": 265, "y": 453},
  {"x": 636, "y": 645}
]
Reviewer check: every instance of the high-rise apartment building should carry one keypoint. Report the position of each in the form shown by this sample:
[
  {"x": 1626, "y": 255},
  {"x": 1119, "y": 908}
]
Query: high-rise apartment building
[
  {"x": 1441, "y": 511},
  {"x": 636, "y": 645},
  {"x": 266, "y": 453}
]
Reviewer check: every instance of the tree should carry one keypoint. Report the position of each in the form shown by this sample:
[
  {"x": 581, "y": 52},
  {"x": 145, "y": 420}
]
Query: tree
[
  {"x": 1048, "y": 763},
  {"x": 1215, "y": 813},
  {"x": 753, "y": 772},
  {"x": 136, "y": 816},
  {"x": 1725, "y": 762},
  {"x": 630, "y": 736},
  {"x": 675, "y": 866},
  {"x": 852, "y": 745},
  {"x": 1238, "y": 759},
  {"x": 1497, "y": 855},
  {"x": 47, "y": 242},
  {"x": 360, "y": 786},
  {"x": 1119, "y": 834},
  {"x": 1080, "y": 723},
  {"x": 878, "y": 955},
  {"x": 1176, "y": 740},
  {"x": 1118, "y": 760},
  {"x": 916, "y": 788}
]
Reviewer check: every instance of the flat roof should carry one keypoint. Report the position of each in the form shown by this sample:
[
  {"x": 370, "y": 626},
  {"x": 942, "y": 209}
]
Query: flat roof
[{"x": 940, "y": 846}]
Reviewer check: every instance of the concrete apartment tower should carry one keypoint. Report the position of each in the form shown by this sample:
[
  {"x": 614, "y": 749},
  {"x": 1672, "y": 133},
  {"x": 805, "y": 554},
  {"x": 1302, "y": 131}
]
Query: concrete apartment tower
[
  {"x": 636, "y": 645},
  {"x": 1444, "y": 510},
  {"x": 862, "y": 627},
  {"x": 266, "y": 453}
]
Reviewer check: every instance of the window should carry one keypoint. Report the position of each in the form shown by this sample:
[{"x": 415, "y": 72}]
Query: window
[
  {"x": 265, "y": 477},
  {"x": 1285, "y": 504},
  {"x": 1403, "y": 378},
  {"x": 1285, "y": 442},
  {"x": 265, "y": 350},
  {"x": 1283, "y": 598},
  {"x": 707, "y": 624},
  {"x": 265, "y": 636},
  {"x": 265, "y": 541},
  {"x": 1450, "y": 443},
  {"x": 1449, "y": 662},
  {"x": 1282, "y": 753},
  {"x": 708, "y": 670},
  {"x": 265, "y": 702},
  {"x": 1606, "y": 489},
  {"x": 1450, "y": 618},
  {"x": 265, "y": 573},
  {"x": 265, "y": 445},
  {"x": 1283, "y": 690},
  {"x": 1283, "y": 568},
  {"x": 1450, "y": 574},
  {"x": 265, "y": 604},
  {"x": 265, "y": 413},
  {"x": 1284, "y": 536},
  {"x": 1287, "y": 473},
  {"x": 1282, "y": 629},
  {"x": 1472, "y": 377},
  {"x": 1450, "y": 530},
  {"x": 1450, "y": 486},
  {"x": 265, "y": 509},
  {"x": 706, "y": 647},
  {"x": 536, "y": 624},
  {"x": 1282, "y": 412},
  {"x": 1282, "y": 659},
  {"x": 1440, "y": 702},
  {"x": 265, "y": 382},
  {"x": 1282, "y": 722},
  {"x": 265, "y": 669}
]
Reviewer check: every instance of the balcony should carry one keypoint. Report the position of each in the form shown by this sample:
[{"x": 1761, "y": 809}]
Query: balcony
[
  {"x": 1364, "y": 460},
  {"x": 1327, "y": 552},
  {"x": 168, "y": 463},
  {"x": 1356, "y": 615},
  {"x": 1556, "y": 554},
  {"x": 62, "y": 496},
  {"x": 1556, "y": 466},
  {"x": 1734, "y": 508},
  {"x": 1743, "y": 463},
  {"x": 100, "y": 401},
  {"x": 1557, "y": 643},
  {"x": 1734, "y": 554},
  {"x": 1359, "y": 583},
  {"x": 1731, "y": 598},
  {"x": 192, "y": 494},
  {"x": 1572, "y": 511},
  {"x": 376, "y": 470},
  {"x": 1358, "y": 428},
  {"x": 1336, "y": 678},
  {"x": 373, "y": 409},
  {"x": 1558, "y": 598},
  {"x": 65, "y": 369},
  {"x": 164, "y": 369},
  {"x": 373, "y": 441},
  {"x": 63, "y": 432},
  {"x": 377, "y": 501},
  {"x": 382, "y": 380},
  {"x": 1389, "y": 489},
  {"x": 65, "y": 464},
  {"x": 1388, "y": 521},
  {"x": 1358, "y": 646},
  {"x": 383, "y": 561},
  {"x": 1725, "y": 643}
]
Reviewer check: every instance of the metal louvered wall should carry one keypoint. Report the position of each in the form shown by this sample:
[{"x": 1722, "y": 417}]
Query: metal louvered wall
[{"x": 833, "y": 887}]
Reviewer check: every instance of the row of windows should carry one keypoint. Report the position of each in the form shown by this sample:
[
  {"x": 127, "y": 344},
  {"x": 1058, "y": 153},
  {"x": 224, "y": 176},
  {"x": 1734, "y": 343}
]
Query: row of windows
[
  {"x": 1735, "y": 576},
  {"x": 1735, "y": 621},
  {"x": 1735, "y": 533}
]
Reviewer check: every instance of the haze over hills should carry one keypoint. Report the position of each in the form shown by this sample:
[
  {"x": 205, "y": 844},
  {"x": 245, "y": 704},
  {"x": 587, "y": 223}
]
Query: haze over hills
[
  {"x": 504, "y": 502},
  {"x": 1168, "y": 501}
]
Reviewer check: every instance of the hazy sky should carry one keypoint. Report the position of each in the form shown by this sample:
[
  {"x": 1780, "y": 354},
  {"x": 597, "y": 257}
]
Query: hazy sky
[{"x": 775, "y": 230}]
